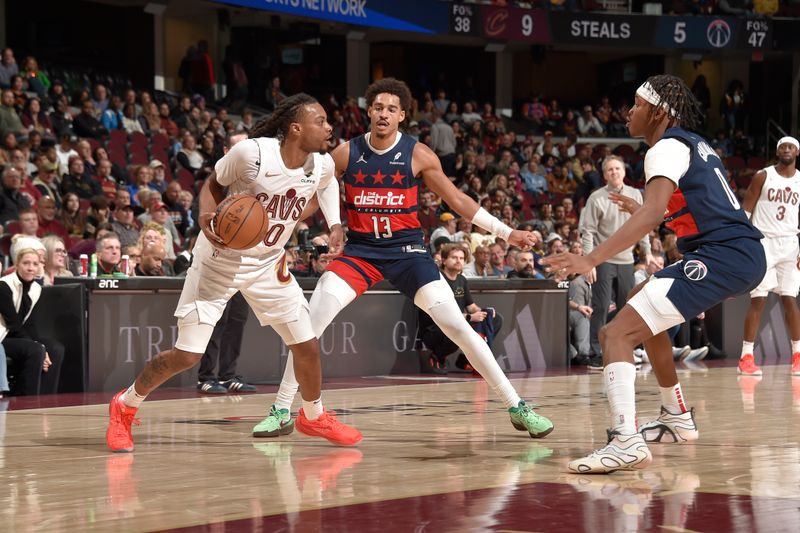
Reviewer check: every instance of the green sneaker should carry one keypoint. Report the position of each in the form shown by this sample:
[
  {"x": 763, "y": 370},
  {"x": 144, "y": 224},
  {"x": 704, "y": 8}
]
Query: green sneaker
[
  {"x": 278, "y": 422},
  {"x": 524, "y": 419}
]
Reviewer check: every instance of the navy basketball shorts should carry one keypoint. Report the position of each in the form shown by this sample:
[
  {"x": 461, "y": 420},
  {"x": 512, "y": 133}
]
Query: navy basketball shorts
[
  {"x": 407, "y": 274},
  {"x": 704, "y": 278}
]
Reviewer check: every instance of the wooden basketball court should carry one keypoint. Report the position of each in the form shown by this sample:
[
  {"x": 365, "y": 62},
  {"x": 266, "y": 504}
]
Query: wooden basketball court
[{"x": 438, "y": 455}]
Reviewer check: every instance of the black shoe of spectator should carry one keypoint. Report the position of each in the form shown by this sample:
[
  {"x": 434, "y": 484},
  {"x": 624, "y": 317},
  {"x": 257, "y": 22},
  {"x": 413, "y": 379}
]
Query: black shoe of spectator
[
  {"x": 581, "y": 360},
  {"x": 211, "y": 386},
  {"x": 715, "y": 353},
  {"x": 595, "y": 362},
  {"x": 236, "y": 384},
  {"x": 434, "y": 367}
]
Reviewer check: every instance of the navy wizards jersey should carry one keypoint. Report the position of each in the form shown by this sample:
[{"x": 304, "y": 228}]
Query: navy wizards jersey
[
  {"x": 381, "y": 200},
  {"x": 704, "y": 209}
]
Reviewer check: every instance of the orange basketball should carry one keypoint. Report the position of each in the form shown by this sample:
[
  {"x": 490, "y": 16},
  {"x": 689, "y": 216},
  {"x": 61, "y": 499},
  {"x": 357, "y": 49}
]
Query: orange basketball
[{"x": 241, "y": 222}]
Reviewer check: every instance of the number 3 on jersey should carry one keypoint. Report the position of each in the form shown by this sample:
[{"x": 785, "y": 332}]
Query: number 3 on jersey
[{"x": 381, "y": 223}]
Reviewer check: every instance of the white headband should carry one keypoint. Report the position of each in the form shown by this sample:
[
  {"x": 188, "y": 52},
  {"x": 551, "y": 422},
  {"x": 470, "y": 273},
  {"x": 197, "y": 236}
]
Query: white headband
[
  {"x": 789, "y": 140},
  {"x": 648, "y": 94}
]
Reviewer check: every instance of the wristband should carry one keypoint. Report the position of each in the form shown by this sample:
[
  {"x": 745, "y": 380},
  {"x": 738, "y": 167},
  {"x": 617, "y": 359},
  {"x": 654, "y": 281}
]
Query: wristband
[{"x": 484, "y": 220}]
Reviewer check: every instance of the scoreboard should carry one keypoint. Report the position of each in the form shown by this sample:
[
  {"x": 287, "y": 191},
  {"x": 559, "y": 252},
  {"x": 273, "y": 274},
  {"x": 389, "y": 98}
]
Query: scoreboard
[{"x": 538, "y": 26}]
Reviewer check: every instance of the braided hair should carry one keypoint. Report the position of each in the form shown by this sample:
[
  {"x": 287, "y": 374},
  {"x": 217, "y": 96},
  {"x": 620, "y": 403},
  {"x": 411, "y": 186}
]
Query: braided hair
[
  {"x": 675, "y": 94},
  {"x": 288, "y": 111}
]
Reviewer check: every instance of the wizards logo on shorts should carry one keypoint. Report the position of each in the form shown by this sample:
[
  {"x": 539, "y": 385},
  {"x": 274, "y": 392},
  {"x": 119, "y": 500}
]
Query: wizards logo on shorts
[{"x": 695, "y": 270}]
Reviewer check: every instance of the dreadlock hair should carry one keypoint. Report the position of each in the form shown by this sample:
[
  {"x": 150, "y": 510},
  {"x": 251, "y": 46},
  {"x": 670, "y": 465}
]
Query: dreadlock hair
[
  {"x": 390, "y": 86},
  {"x": 675, "y": 94},
  {"x": 288, "y": 111}
]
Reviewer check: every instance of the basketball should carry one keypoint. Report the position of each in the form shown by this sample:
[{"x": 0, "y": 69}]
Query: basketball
[{"x": 241, "y": 222}]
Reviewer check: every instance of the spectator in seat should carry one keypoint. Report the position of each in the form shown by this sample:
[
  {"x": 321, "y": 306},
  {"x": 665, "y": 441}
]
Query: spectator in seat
[
  {"x": 71, "y": 217},
  {"x": 119, "y": 173},
  {"x": 130, "y": 119},
  {"x": 12, "y": 201},
  {"x": 154, "y": 232},
  {"x": 35, "y": 361},
  {"x": 84, "y": 150},
  {"x": 588, "y": 124},
  {"x": 111, "y": 119},
  {"x": 187, "y": 200},
  {"x": 9, "y": 119},
  {"x": 486, "y": 321},
  {"x": 109, "y": 254},
  {"x": 134, "y": 253},
  {"x": 76, "y": 182},
  {"x": 28, "y": 222},
  {"x": 47, "y": 223},
  {"x": 157, "y": 212},
  {"x": 524, "y": 267},
  {"x": 56, "y": 260},
  {"x": 497, "y": 260},
  {"x": 99, "y": 99},
  {"x": 447, "y": 227},
  {"x": 35, "y": 119},
  {"x": 107, "y": 182},
  {"x": 98, "y": 214},
  {"x": 152, "y": 119},
  {"x": 124, "y": 225},
  {"x": 46, "y": 181},
  {"x": 142, "y": 179},
  {"x": 479, "y": 267},
  {"x": 159, "y": 176},
  {"x": 168, "y": 126},
  {"x": 152, "y": 263},
  {"x": 61, "y": 119},
  {"x": 65, "y": 151},
  {"x": 189, "y": 157},
  {"x": 8, "y": 67},
  {"x": 172, "y": 200},
  {"x": 86, "y": 123}
]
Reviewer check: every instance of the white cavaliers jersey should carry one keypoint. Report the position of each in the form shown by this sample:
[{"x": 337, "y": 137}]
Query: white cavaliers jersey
[
  {"x": 255, "y": 167},
  {"x": 776, "y": 211}
]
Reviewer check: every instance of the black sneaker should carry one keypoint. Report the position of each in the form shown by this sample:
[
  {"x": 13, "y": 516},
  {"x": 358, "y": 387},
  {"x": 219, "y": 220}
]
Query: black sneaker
[
  {"x": 595, "y": 362},
  {"x": 235, "y": 384},
  {"x": 211, "y": 386},
  {"x": 434, "y": 367}
]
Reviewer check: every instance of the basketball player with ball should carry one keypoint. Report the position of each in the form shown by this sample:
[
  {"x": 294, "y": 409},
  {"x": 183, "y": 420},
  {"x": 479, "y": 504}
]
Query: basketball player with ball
[
  {"x": 270, "y": 179},
  {"x": 722, "y": 257},
  {"x": 382, "y": 172}
]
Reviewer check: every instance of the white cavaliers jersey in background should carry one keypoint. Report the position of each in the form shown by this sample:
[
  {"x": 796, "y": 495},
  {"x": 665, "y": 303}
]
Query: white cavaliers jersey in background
[
  {"x": 776, "y": 212},
  {"x": 255, "y": 167}
]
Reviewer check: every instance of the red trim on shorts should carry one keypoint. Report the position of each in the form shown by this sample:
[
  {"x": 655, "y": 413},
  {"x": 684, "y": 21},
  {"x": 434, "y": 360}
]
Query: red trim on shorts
[{"x": 358, "y": 273}]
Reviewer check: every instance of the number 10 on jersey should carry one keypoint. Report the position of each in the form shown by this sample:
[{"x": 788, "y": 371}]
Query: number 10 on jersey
[{"x": 381, "y": 227}]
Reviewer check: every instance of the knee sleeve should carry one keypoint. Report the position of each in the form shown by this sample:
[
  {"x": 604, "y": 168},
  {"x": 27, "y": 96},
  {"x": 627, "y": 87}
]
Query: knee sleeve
[
  {"x": 331, "y": 295},
  {"x": 433, "y": 294},
  {"x": 193, "y": 336}
]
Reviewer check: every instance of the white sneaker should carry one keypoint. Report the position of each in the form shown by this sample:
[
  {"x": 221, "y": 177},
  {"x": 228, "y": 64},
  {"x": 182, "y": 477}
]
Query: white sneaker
[
  {"x": 640, "y": 356},
  {"x": 680, "y": 352},
  {"x": 671, "y": 428},
  {"x": 623, "y": 452},
  {"x": 698, "y": 354}
]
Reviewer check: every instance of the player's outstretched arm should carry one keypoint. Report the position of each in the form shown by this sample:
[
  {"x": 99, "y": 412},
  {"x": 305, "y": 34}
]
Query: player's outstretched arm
[
  {"x": 211, "y": 194},
  {"x": 426, "y": 164},
  {"x": 753, "y": 192},
  {"x": 658, "y": 192}
]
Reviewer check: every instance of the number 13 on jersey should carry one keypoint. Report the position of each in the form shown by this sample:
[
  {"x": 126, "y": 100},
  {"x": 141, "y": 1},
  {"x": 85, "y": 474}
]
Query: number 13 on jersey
[{"x": 382, "y": 227}]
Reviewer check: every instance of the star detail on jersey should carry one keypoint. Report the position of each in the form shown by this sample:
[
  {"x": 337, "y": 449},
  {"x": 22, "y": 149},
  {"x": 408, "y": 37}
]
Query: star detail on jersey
[
  {"x": 378, "y": 177},
  {"x": 397, "y": 177},
  {"x": 359, "y": 176}
]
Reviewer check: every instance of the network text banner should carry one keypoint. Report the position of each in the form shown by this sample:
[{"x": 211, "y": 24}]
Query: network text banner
[{"x": 420, "y": 16}]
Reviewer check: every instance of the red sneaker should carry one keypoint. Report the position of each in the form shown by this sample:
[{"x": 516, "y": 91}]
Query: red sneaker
[
  {"x": 328, "y": 427},
  {"x": 796, "y": 364},
  {"x": 747, "y": 366},
  {"x": 118, "y": 435}
]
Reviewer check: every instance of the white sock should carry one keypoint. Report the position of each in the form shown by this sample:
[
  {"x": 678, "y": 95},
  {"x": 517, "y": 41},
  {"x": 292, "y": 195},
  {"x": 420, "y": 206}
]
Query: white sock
[
  {"x": 131, "y": 398},
  {"x": 672, "y": 399},
  {"x": 620, "y": 379},
  {"x": 450, "y": 320},
  {"x": 288, "y": 386},
  {"x": 331, "y": 295},
  {"x": 795, "y": 346},
  {"x": 747, "y": 347},
  {"x": 313, "y": 410}
]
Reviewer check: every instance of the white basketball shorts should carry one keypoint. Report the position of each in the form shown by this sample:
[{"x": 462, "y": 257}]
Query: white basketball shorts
[
  {"x": 272, "y": 293},
  {"x": 782, "y": 275}
]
